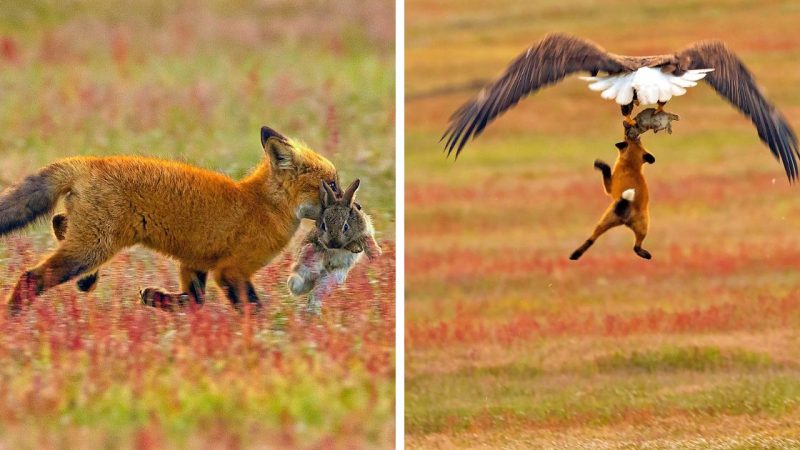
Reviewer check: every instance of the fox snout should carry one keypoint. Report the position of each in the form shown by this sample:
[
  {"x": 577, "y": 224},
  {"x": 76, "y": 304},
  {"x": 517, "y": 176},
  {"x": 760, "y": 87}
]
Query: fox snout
[{"x": 334, "y": 243}]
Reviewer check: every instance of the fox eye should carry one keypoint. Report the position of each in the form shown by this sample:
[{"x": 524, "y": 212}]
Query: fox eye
[
  {"x": 323, "y": 227},
  {"x": 346, "y": 227}
]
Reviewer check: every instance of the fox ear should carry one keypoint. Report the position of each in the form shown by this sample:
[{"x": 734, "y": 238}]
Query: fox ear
[
  {"x": 621, "y": 145},
  {"x": 350, "y": 194},
  {"x": 278, "y": 148}
]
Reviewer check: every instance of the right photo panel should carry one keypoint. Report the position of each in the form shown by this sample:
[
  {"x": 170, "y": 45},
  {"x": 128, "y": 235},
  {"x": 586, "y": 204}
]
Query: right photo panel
[{"x": 602, "y": 238}]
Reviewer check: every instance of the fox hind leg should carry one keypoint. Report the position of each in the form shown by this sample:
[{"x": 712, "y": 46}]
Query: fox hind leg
[
  {"x": 67, "y": 262},
  {"x": 609, "y": 221},
  {"x": 639, "y": 228},
  {"x": 89, "y": 282}
]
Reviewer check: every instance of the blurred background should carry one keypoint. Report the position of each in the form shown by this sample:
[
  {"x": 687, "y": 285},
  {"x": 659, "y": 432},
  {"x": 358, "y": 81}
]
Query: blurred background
[
  {"x": 508, "y": 343},
  {"x": 194, "y": 81}
]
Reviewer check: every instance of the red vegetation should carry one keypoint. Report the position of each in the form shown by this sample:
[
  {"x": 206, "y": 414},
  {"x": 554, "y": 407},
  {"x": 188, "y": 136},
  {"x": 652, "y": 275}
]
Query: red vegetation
[
  {"x": 103, "y": 343},
  {"x": 754, "y": 314}
]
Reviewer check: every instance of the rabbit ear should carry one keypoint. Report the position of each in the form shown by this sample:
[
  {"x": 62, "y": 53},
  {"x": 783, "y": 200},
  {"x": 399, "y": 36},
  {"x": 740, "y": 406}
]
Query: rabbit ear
[
  {"x": 350, "y": 194},
  {"x": 326, "y": 194},
  {"x": 337, "y": 186}
]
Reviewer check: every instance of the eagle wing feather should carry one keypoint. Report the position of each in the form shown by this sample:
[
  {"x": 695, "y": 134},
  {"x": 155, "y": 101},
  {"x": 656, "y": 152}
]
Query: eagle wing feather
[
  {"x": 545, "y": 63},
  {"x": 735, "y": 83}
]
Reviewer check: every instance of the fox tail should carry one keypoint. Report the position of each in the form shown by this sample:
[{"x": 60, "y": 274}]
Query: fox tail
[{"x": 35, "y": 196}]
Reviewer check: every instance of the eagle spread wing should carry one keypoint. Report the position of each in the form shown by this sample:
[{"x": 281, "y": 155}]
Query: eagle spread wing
[
  {"x": 546, "y": 62},
  {"x": 732, "y": 80},
  {"x": 558, "y": 55}
]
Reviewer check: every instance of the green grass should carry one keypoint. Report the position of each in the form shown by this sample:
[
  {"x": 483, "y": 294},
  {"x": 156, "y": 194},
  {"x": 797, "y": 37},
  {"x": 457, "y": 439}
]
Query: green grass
[{"x": 677, "y": 358}]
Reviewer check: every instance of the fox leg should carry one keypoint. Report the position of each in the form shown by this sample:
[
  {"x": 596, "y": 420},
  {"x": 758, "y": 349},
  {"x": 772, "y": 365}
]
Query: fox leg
[
  {"x": 605, "y": 169},
  {"x": 192, "y": 290},
  {"x": 609, "y": 221},
  {"x": 89, "y": 282},
  {"x": 238, "y": 288},
  {"x": 67, "y": 262},
  {"x": 639, "y": 227}
]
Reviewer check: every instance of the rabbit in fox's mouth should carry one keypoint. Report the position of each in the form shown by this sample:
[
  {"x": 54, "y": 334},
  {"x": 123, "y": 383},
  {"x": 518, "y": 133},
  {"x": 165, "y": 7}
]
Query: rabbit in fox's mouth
[{"x": 342, "y": 233}]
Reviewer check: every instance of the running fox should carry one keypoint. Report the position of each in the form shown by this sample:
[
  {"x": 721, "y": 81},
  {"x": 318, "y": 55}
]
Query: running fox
[
  {"x": 627, "y": 187},
  {"x": 343, "y": 233},
  {"x": 205, "y": 220}
]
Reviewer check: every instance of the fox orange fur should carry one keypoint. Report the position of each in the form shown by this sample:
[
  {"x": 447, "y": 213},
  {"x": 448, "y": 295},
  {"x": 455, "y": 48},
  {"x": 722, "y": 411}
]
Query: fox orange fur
[
  {"x": 628, "y": 189},
  {"x": 205, "y": 220}
]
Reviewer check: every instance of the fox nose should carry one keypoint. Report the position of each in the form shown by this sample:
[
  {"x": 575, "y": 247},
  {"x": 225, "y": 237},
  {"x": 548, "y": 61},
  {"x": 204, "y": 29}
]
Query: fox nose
[{"x": 334, "y": 243}]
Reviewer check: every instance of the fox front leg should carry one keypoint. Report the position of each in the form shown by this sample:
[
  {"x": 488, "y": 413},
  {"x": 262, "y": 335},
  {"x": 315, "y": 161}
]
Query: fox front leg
[
  {"x": 238, "y": 289},
  {"x": 192, "y": 284}
]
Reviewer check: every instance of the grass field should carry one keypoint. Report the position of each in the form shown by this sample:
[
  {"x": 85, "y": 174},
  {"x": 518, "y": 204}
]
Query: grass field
[
  {"x": 194, "y": 81},
  {"x": 508, "y": 343}
]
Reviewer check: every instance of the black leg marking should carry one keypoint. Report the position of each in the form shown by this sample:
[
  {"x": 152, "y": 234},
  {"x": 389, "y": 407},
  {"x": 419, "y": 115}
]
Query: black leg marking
[
  {"x": 604, "y": 168},
  {"x": 232, "y": 291},
  {"x": 642, "y": 252},
  {"x": 579, "y": 252},
  {"x": 197, "y": 287},
  {"x": 88, "y": 283}
]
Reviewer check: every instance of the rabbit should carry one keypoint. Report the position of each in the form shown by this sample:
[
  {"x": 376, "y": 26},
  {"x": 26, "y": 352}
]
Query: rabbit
[{"x": 343, "y": 232}]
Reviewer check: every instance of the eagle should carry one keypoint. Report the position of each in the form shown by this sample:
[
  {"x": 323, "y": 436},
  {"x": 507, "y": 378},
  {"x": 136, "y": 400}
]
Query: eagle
[{"x": 630, "y": 81}]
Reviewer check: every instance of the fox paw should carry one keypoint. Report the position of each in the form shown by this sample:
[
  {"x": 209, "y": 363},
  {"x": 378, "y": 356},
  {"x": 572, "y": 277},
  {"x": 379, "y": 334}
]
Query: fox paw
[
  {"x": 157, "y": 298},
  {"x": 642, "y": 252}
]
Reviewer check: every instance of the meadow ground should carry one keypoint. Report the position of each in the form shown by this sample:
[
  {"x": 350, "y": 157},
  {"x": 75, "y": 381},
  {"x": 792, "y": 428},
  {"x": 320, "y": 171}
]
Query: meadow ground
[
  {"x": 510, "y": 344},
  {"x": 195, "y": 81}
]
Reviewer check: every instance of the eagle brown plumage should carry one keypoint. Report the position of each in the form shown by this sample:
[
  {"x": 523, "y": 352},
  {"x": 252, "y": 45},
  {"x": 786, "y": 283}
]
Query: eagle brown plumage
[{"x": 558, "y": 55}]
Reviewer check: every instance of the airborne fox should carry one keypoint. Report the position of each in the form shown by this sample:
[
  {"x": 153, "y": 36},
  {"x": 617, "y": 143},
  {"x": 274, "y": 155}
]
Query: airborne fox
[
  {"x": 205, "y": 220},
  {"x": 628, "y": 189}
]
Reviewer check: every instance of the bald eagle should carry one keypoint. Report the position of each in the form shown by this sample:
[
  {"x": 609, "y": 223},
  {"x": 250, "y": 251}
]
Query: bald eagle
[{"x": 629, "y": 80}]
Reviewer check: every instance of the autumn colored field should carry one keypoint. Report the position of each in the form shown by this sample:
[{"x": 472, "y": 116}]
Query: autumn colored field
[
  {"x": 194, "y": 81},
  {"x": 511, "y": 345}
]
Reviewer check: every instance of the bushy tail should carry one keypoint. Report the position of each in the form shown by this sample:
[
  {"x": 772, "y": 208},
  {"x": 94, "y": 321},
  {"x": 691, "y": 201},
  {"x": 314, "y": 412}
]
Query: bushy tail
[
  {"x": 623, "y": 205},
  {"x": 34, "y": 197}
]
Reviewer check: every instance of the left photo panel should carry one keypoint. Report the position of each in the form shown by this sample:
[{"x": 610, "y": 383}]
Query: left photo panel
[{"x": 197, "y": 224}]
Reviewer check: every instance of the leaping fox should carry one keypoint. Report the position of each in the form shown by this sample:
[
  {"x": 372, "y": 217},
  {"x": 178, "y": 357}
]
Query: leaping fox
[
  {"x": 628, "y": 189},
  {"x": 203, "y": 219}
]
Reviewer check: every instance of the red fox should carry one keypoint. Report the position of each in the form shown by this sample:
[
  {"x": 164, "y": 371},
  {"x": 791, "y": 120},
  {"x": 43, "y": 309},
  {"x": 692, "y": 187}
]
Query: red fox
[
  {"x": 205, "y": 220},
  {"x": 627, "y": 187}
]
